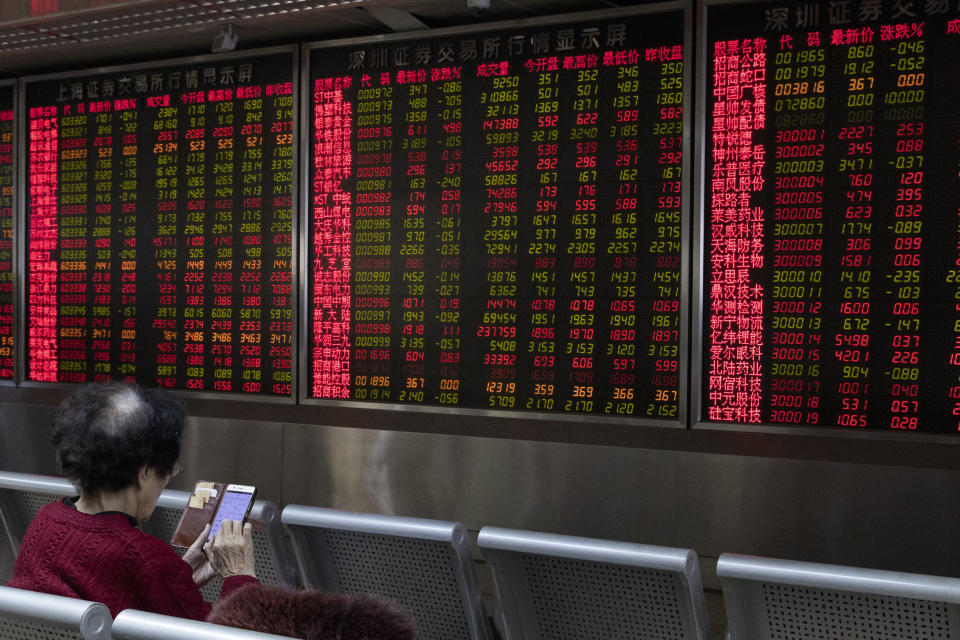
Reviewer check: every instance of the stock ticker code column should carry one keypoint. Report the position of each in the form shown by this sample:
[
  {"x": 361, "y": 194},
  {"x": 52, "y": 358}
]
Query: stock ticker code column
[
  {"x": 495, "y": 219},
  {"x": 159, "y": 226},
  {"x": 831, "y": 277}
]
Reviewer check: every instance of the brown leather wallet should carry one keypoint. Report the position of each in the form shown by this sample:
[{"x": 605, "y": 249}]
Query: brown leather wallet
[{"x": 200, "y": 512}]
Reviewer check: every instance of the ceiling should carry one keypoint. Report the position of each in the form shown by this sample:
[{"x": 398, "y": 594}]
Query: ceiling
[{"x": 140, "y": 30}]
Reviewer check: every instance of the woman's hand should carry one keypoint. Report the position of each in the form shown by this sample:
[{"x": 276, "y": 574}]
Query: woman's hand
[
  {"x": 231, "y": 553},
  {"x": 196, "y": 557}
]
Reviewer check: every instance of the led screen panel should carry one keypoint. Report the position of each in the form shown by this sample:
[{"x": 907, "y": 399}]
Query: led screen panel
[
  {"x": 830, "y": 277},
  {"x": 159, "y": 225},
  {"x": 495, "y": 218},
  {"x": 6, "y": 232}
]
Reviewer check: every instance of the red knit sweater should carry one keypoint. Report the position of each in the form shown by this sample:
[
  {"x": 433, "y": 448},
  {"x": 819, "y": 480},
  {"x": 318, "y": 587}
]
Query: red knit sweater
[{"x": 105, "y": 559}]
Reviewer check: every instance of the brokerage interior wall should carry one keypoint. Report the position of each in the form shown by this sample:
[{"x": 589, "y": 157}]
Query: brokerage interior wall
[{"x": 869, "y": 515}]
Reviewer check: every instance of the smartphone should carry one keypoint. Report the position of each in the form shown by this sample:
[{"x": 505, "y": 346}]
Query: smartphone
[{"x": 235, "y": 505}]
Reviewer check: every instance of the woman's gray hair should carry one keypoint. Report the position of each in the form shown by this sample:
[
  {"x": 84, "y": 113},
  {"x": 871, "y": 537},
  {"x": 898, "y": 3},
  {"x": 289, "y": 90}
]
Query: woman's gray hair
[{"x": 104, "y": 433}]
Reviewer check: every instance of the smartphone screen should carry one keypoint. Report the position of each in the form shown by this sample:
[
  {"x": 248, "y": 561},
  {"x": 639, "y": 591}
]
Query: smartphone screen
[{"x": 234, "y": 507}]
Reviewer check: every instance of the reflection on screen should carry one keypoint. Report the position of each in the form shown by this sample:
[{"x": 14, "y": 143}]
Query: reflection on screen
[{"x": 232, "y": 507}]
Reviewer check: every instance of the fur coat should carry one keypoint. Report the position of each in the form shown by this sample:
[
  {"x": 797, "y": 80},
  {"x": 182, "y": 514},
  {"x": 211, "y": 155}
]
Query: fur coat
[{"x": 313, "y": 615}]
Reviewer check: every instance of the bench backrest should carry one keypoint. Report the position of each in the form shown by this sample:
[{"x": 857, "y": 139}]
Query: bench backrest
[
  {"x": 424, "y": 565},
  {"x": 29, "y": 615},
  {"x": 22, "y": 495},
  {"x": 770, "y": 598},
  {"x": 556, "y": 586},
  {"x": 140, "y": 625}
]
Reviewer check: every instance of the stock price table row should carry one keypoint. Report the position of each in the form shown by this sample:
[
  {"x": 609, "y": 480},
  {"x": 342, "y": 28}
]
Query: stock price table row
[
  {"x": 831, "y": 272},
  {"x": 159, "y": 221},
  {"x": 496, "y": 219}
]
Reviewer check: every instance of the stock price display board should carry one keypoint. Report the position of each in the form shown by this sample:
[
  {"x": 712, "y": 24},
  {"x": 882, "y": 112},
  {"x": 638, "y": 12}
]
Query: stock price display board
[
  {"x": 495, "y": 218},
  {"x": 831, "y": 277},
  {"x": 159, "y": 223},
  {"x": 6, "y": 231}
]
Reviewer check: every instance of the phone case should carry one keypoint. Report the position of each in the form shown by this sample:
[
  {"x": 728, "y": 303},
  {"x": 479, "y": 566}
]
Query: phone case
[{"x": 200, "y": 511}]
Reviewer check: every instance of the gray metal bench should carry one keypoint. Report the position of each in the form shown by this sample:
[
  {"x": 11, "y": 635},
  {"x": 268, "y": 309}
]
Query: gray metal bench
[
  {"x": 140, "y": 625},
  {"x": 567, "y": 587},
  {"x": 424, "y": 565},
  {"x": 29, "y": 615},
  {"x": 22, "y": 495},
  {"x": 769, "y": 598}
]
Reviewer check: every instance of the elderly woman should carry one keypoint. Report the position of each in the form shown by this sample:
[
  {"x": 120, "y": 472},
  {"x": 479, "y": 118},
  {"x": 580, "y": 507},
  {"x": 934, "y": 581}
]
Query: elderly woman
[{"x": 119, "y": 446}]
